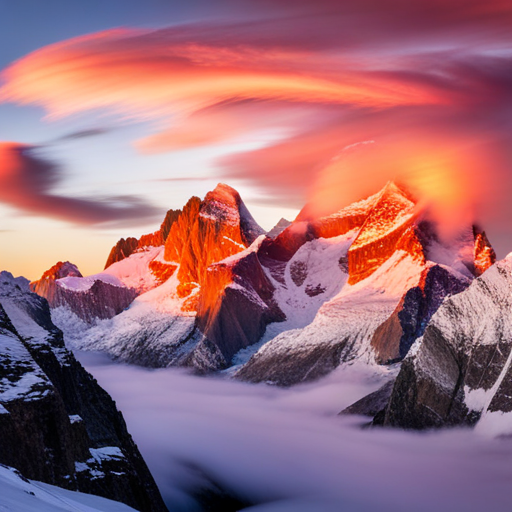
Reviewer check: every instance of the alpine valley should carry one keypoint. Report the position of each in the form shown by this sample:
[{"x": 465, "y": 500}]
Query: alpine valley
[{"x": 374, "y": 285}]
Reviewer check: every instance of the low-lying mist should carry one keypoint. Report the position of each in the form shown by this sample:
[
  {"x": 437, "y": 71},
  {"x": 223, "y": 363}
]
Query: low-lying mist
[{"x": 287, "y": 450}]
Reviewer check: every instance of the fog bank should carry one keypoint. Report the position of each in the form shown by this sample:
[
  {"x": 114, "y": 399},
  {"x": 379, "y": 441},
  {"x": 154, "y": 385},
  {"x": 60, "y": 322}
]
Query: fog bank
[{"x": 287, "y": 450}]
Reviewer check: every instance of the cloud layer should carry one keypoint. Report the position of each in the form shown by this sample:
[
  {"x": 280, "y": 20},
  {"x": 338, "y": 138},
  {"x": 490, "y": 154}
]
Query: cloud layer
[
  {"x": 429, "y": 82},
  {"x": 289, "y": 451},
  {"x": 26, "y": 182}
]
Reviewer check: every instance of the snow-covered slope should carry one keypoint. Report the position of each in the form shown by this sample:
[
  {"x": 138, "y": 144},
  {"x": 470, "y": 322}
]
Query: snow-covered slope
[
  {"x": 17, "y": 494},
  {"x": 460, "y": 370},
  {"x": 134, "y": 271},
  {"x": 151, "y": 332},
  {"x": 340, "y": 331}
]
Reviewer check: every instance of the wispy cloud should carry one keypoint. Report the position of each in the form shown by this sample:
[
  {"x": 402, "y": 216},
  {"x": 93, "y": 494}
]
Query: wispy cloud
[
  {"x": 429, "y": 82},
  {"x": 27, "y": 180}
]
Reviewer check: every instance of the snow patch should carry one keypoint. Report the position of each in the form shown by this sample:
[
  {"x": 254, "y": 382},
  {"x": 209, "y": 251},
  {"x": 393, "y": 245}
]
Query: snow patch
[
  {"x": 18, "y": 494},
  {"x": 83, "y": 284},
  {"x": 134, "y": 271}
]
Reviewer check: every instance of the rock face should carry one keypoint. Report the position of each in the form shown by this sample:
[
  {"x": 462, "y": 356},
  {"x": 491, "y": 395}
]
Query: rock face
[
  {"x": 278, "y": 228},
  {"x": 94, "y": 297},
  {"x": 125, "y": 248},
  {"x": 235, "y": 306},
  {"x": 388, "y": 220},
  {"x": 56, "y": 424},
  {"x": 460, "y": 370},
  {"x": 207, "y": 232},
  {"x": 371, "y": 404},
  {"x": 393, "y": 338}
]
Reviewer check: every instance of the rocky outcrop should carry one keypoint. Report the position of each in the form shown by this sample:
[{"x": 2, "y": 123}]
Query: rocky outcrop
[
  {"x": 207, "y": 232},
  {"x": 236, "y": 304},
  {"x": 372, "y": 404},
  {"x": 278, "y": 228},
  {"x": 95, "y": 297},
  {"x": 387, "y": 222},
  {"x": 46, "y": 285},
  {"x": 393, "y": 339},
  {"x": 124, "y": 248},
  {"x": 460, "y": 370},
  {"x": 483, "y": 254},
  {"x": 56, "y": 424}
]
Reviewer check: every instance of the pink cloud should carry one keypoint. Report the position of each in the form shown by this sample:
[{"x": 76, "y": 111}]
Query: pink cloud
[
  {"x": 26, "y": 181},
  {"x": 429, "y": 82}
]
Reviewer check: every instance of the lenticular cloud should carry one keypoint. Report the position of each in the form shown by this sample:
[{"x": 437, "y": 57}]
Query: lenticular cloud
[
  {"x": 428, "y": 82},
  {"x": 26, "y": 182}
]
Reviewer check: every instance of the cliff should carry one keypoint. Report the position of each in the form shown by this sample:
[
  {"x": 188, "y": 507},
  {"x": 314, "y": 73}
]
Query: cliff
[
  {"x": 95, "y": 297},
  {"x": 57, "y": 425}
]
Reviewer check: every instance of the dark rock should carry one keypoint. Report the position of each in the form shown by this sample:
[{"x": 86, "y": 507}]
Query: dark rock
[
  {"x": 59, "y": 426},
  {"x": 236, "y": 304},
  {"x": 465, "y": 352},
  {"x": 294, "y": 366},
  {"x": 371, "y": 404},
  {"x": 393, "y": 339}
]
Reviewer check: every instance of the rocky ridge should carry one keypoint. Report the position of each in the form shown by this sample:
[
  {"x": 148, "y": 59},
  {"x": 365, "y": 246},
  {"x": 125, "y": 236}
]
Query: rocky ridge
[
  {"x": 360, "y": 283},
  {"x": 57, "y": 425},
  {"x": 396, "y": 272},
  {"x": 95, "y": 297},
  {"x": 459, "y": 372}
]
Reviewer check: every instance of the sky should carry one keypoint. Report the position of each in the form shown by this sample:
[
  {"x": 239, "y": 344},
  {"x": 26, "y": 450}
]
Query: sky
[{"x": 113, "y": 112}]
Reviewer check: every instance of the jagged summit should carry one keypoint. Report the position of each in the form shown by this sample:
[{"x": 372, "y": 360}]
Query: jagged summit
[
  {"x": 98, "y": 296},
  {"x": 278, "y": 228},
  {"x": 206, "y": 232},
  {"x": 225, "y": 205},
  {"x": 62, "y": 269},
  {"x": 391, "y": 214},
  {"x": 126, "y": 247},
  {"x": 362, "y": 281}
]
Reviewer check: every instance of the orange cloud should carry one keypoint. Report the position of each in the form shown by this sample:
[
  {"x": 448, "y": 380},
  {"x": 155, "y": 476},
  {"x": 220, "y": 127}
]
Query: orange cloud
[
  {"x": 148, "y": 74},
  {"x": 429, "y": 82}
]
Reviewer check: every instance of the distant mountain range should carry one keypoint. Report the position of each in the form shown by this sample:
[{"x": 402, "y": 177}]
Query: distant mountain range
[
  {"x": 370, "y": 283},
  {"x": 373, "y": 283}
]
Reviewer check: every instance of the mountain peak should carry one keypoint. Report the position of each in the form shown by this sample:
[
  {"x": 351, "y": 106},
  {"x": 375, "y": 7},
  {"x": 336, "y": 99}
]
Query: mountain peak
[
  {"x": 60, "y": 270},
  {"x": 224, "y": 193}
]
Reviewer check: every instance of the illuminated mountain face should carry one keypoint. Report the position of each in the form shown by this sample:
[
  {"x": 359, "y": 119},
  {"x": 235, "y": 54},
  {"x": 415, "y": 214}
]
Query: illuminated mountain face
[{"x": 210, "y": 283}]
